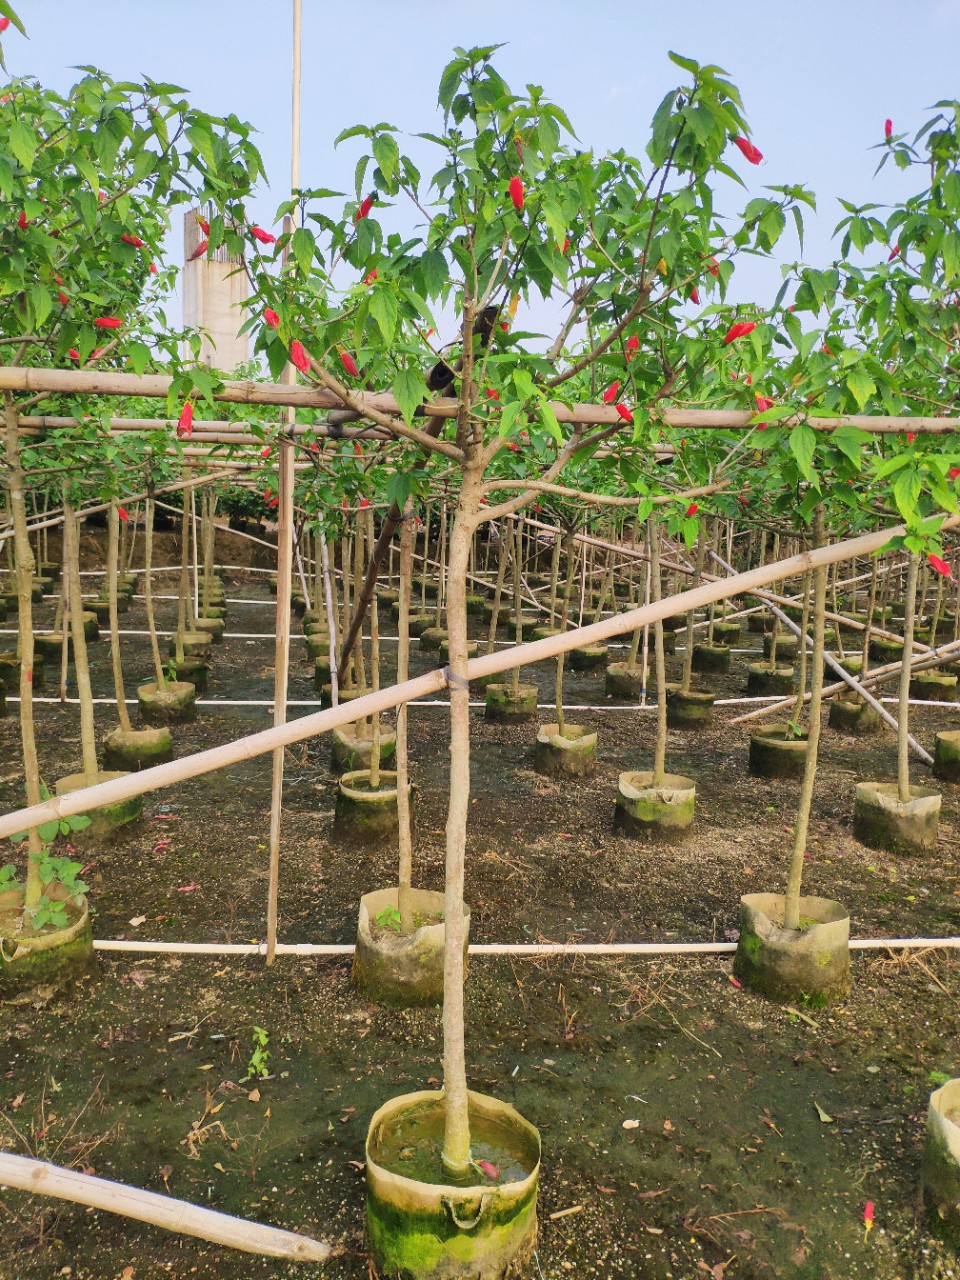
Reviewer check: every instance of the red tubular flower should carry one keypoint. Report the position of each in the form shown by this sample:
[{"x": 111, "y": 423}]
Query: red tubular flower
[
  {"x": 624, "y": 413},
  {"x": 513, "y": 446},
  {"x": 695, "y": 296},
  {"x": 713, "y": 266},
  {"x": 122, "y": 513},
  {"x": 888, "y": 128},
  {"x": 365, "y": 207},
  {"x": 763, "y": 403},
  {"x": 152, "y": 268},
  {"x": 565, "y": 246},
  {"x": 940, "y": 566},
  {"x": 265, "y": 452},
  {"x": 611, "y": 393},
  {"x": 264, "y": 237},
  {"x": 633, "y": 346},
  {"x": 271, "y": 318},
  {"x": 204, "y": 225},
  {"x": 738, "y": 330},
  {"x": 22, "y": 222},
  {"x": 298, "y": 357},
  {"x": 748, "y": 150},
  {"x": 692, "y": 509},
  {"x": 953, "y": 473},
  {"x": 894, "y": 253},
  {"x": 516, "y": 193},
  {"x": 73, "y": 353},
  {"x": 357, "y": 449},
  {"x": 185, "y": 421},
  {"x": 108, "y": 322},
  {"x": 493, "y": 393},
  {"x": 134, "y": 241},
  {"x": 826, "y": 350},
  {"x": 64, "y": 299},
  {"x": 4, "y": 23},
  {"x": 364, "y": 502},
  {"x": 370, "y": 276},
  {"x": 911, "y": 436},
  {"x": 349, "y": 364},
  {"x": 199, "y": 251}
]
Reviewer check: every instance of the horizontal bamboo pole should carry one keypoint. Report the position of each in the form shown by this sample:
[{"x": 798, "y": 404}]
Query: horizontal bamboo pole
[
  {"x": 202, "y": 427},
  {"x": 103, "y": 382},
  {"x": 42, "y": 1179},
  {"x": 257, "y": 744}
]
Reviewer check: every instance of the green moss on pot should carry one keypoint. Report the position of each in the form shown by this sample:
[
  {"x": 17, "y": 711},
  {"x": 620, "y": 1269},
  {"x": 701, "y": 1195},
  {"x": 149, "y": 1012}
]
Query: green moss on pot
[
  {"x": 137, "y": 749},
  {"x": 505, "y": 706},
  {"x": 213, "y": 627},
  {"x": 175, "y": 704},
  {"x": 349, "y": 751},
  {"x": 662, "y": 812},
  {"x": 193, "y": 670},
  {"x": 777, "y": 752},
  {"x": 882, "y": 821},
  {"x": 807, "y": 966},
  {"x": 689, "y": 710},
  {"x": 620, "y": 682},
  {"x": 933, "y": 686},
  {"x": 592, "y": 657},
  {"x": 196, "y": 644},
  {"x": 366, "y": 817},
  {"x": 854, "y": 716},
  {"x": 10, "y": 672},
  {"x": 940, "y": 1168},
  {"x": 37, "y": 966},
  {"x": 571, "y": 754},
  {"x": 711, "y": 658},
  {"x": 108, "y": 818},
  {"x": 764, "y": 683},
  {"x": 946, "y": 756}
]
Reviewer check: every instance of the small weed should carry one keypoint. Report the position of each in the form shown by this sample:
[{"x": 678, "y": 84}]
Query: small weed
[{"x": 258, "y": 1066}]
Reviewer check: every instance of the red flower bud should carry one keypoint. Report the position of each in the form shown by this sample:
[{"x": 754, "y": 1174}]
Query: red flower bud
[
  {"x": 122, "y": 513},
  {"x": 185, "y": 421},
  {"x": 357, "y": 449},
  {"x": 134, "y": 241},
  {"x": 739, "y": 330},
  {"x": 939, "y": 566},
  {"x": 911, "y": 436},
  {"x": 199, "y": 251},
  {"x": 364, "y": 502},
  {"x": 888, "y": 128},
  {"x": 152, "y": 268},
  {"x": 493, "y": 393},
  {"x": 73, "y": 353},
  {"x": 763, "y": 403},
  {"x": 749, "y": 379},
  {"x": 953, "y": 473},
  {"x": 611, "y": 393},
  {"x": 748, "y": 150},
  {"x": 633, "y": 346},
  {"x": 4, "y": 23},
  {"x": 349, "y": 364},
  {"x": 265, "y": 452},
  {"x": 516, "y": 193},
  {"x": 565, "y": 246},
  {"x": 624, "y": 413},
  {"x": 64, "y": 299},
  {"x": 692, "y": 509},
  {"x": 826, "y": 350},
  {"x": 695, "y": 296},
  {"x": 365, "y": 207},
  {"x": 264, "y": 237},
  {"x": 204, "y": 225},
  {"x": 514, "y": 448},
  {"x": 370, "y": 276},
  {"x": 713, "y": 266},
  {"x": 22, "y": 222},
  {"x": 298, "y": 357},
  {"x": 271, "y": 318},
  {"x": 101, "y": 196},
  {"x": 108, "y": 322}
]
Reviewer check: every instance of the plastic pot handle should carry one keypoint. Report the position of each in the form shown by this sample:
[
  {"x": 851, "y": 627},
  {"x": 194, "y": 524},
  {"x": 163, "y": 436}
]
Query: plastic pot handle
[{"x": 465, "y": 1224}]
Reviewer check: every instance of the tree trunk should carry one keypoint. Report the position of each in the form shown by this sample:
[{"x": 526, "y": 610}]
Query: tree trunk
[
  {"x": 660, "y": 661},
  {"x": 797, "y": 711},
  {"x": 695, "y": 582},
  {"x": 148, "y": 593},
  {"x": 113, "y": 557},
  {"x": 903, "y": 709},
  {"x": 81, "y": 665},
  {"x": 791, "y": 905},
  {"x": 405, "y": 837}
]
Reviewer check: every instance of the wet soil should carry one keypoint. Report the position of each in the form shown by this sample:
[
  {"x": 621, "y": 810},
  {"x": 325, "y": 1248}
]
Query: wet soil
[{"x": 679, "y": 1114}]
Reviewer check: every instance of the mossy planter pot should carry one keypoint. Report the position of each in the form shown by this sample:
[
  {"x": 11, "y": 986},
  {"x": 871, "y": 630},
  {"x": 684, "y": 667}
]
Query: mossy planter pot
[
  {"x": 109, "y": 817},
  {"x": 137, "y": 749},
  {"x": 196, "y": 644},
  {"x": 343, "y": 695},
  {"x": 885, "y": 651},
  {"x": 318, "y": 645},
  {"x": 882, "y": 821},
  {"x": 175, "y": 704},
  {"x": 192, "y": 670},
  {"x": 689, "y": 710},
  {"x": 940, "y": 1169},
  {"x": 946, "y": 756},
  {"x": 364, "y": 817},
  {"x": 47, "y": 963},
  {"x": 663, "y": 812},
  {"x": 10, "y": 672},
  {"x": 854, "y": 716},
  {"x": 786, "y": 646},
  {"x": 726, "y": 632},
  {"x": 711, "y": 657},
  {"x": 402, "y": 969},
  {"x": 776, "y": 752},
  {"x": 620, "y": 682},
  {"x": 809, "y": 966},
  {"x": 417, "y": 623},
  {"x": 593, "y": 657},
  {"x": 473, "y": 648},
  {"x": 572, "y": 753},
  {"x": 349, "y": 752},
  {"x": 933, "y": 686},
  {"x": 762, "y": 682},
  {"x": 49, "y": 645},
  {"x": 213, "y": 627},
  {"x": 431, "y": 638},
  {"x": 428, "y": 1231},
  {"x": 476, "y": 605},
  {"x": 504, "y": 706}
]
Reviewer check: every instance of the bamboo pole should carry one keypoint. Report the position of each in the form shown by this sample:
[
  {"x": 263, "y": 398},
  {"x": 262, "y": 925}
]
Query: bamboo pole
[
  {"x": 256, "y": 744},
  {"x": 18, "y": 378},
  {"x": 42, "y": 1179}
]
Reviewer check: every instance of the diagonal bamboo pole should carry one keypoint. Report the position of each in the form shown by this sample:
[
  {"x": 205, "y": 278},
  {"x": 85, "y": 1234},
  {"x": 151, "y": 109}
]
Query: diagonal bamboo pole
[{"x": 256, "y": 744}]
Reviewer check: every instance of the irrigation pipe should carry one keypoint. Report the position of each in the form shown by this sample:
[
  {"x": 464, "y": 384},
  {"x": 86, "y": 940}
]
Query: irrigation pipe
[
  {"x": 42, "y": 1179},
  {"x": 308, "y": 949},
  {"x": 165, "y": 775}
]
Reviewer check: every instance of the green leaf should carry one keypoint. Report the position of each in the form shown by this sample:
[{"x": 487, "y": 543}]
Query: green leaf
[
  {"x": 803, "y": 441},
  {"x": 387, "y": 155},
  {"x": 860, "y": 385},
  {"x": 23, "y": 143},
  {"x": 384, "y": 308},
  {"x": 410, "y": 391},
  {"x": 302, "y": 246},
  {"x": 850, "y": 441}
]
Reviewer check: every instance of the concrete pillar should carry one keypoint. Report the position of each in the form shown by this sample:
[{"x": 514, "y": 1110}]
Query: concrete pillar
[{"x": 214, "y": 289}]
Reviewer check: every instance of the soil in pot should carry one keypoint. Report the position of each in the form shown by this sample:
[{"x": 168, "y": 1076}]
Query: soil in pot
[
  {"x": 401, "y": 969},
  {"x": 572, "y": 753},
  {"x": 809, "y": 965}
]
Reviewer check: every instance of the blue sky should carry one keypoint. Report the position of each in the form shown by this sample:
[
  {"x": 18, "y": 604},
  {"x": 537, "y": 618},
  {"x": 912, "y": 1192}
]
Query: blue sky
[{"x": 818, "y": 79}]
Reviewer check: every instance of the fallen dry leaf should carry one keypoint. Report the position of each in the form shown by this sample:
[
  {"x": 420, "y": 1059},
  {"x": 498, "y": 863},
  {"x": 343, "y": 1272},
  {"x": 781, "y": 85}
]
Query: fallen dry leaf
[
  {"x": 253, "y": 1095},
  {"x": 631, "y": 1124},
  {"x": 137, "y": 920}
]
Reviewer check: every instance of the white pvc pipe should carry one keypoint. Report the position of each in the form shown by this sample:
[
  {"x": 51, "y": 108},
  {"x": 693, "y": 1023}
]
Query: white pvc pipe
[{"x": 499, "y": 948}]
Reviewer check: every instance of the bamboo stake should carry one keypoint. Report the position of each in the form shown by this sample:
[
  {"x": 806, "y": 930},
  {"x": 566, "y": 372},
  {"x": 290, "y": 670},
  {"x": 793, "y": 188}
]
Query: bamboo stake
[{"x": 42, "y": 1179}]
